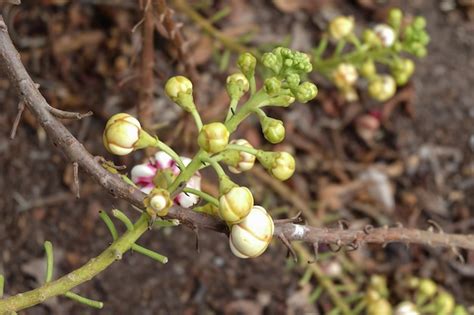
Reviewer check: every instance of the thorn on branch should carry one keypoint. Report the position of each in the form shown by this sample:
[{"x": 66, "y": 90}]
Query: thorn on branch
[
  {"x": 21, "y": 108},
  {"x": 337, "y": 248},
  {"x": 354, "y": 245},
  {"x": 434, "y": 224},
  {"x": 291, "y": 250},
  {"x": 196, "y": 233},
  {"x": 295, "y": 219},
  {"x": 343, "y": 224},
  {"x": 458, "y": 254},
  {"x": 77, "y": 188},
  {"x": 368, "y": 229},
  {"x": 68, "y": 115}
]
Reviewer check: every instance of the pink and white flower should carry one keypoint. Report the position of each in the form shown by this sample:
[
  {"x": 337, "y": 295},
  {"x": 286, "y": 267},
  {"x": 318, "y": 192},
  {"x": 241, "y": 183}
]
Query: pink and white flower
[{"x": 143, "y": 175}]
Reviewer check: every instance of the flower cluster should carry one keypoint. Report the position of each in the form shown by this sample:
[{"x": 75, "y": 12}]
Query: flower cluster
[
  {"x": 168, "y": 178},
  {"x": 382, "y": 44}
]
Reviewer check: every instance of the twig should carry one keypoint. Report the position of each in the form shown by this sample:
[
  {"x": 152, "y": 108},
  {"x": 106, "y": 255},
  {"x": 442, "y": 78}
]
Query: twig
[
  {"x": 67, "y": 115},
  {"x": 21, "y": 108},
  {"x": 77, "y": 188}
]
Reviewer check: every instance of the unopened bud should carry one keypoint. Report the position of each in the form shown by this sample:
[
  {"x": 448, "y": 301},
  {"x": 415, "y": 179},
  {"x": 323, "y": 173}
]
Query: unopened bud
[
  {"x": 213, "y": 137},
  {"x": 273, "y": 129},
  {"x": 341, "y": 27},
  {"x": 237, "y": 85},
  {"x": 382, "y": 88}
]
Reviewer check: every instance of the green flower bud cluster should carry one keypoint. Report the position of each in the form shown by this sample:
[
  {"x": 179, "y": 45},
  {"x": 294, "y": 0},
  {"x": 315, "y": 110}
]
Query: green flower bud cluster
[{"x": 381, "y": 44}]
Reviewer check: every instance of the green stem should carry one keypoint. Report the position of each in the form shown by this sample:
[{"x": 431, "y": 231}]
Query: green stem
[
  {"x": 319, "y": 51},
  {"x": 242, "y": 148},
  {"x": 110, "y": 225},
  {"x": 85, "y": 273},
  {"x": 253, "y": 85},
  {"x": 339, "y": 47},
  {"x": 122, "y": 217},
  {"x": 232, "y": 108},
  {"x": 2, "y": 285},
  {"x": 216, "y": 166},
  {"x": 202, "y": 195},
  {"x": 259, "y": 99},
  {"x": 149, "y": 253},
  {"x": 197, "y": 119},
  {"x": 189, "y": 171},
  {"x": 165, "y": 148},
  {"x": 48, "y": 248},
  {"x": 83, "y": 300}
]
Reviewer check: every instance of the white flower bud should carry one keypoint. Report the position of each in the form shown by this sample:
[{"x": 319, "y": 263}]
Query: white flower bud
[
  {"x": 382, "y": 88},
  {"x": 341, "y": 27},
  {"x": 386, "y": 34},
  {"x": 176, "y": 85},
  {"x": 121, "y": 133},
  {"x": 246, "y": 160},
  {"x": 235, "y": 204},
  {"x": 251, "y": 237},
  {"x": 406, "y": 308},
  {"x": 345, "y": 75}
]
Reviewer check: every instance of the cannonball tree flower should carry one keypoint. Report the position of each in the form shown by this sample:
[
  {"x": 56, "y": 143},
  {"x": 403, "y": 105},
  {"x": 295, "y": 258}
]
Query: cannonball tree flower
[
  {"x": 341, "y": 27},
  {"x": 386, "y": 34},
  {"x": 147, "y": 175},
  {"x": 382, "y": 88},
  {"x": 251, "y": 237},
  {"x": 123, "y": 134},
  {"x": 213, "y": 137},
  {"x": 345, "y": 75},
  {"x": 158, "y": 202},
  {"x": 280, "y": 164}
]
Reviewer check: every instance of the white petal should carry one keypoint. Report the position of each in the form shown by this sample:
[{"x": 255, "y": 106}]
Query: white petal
[
  {"x": 163, "y": 160},
  {"x": 142, "y": 170},
  {"x": 186, "y": 201},
  {"x": 146, "y": 189}
]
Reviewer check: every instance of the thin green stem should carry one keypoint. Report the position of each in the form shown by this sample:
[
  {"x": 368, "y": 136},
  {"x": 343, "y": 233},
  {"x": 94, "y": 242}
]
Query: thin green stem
[
  {"x": 122, "y": 217},
  {"x": 81, "y": 275},
  {"x": 83, "y": 300},
  {"x": 259, "y": 99},
  {"x": 260, "y": 113},
  {"x": 242, "y": 148},
  {"x": 188, "y": 172},
  {"x": 232, "y": 108},
  {"x": 197, "y": 118},
  {"x": 149, "y": 253},
  {"x": 253, "y": 85},
  {"x": 339, "y": 47},
  {"x": 323, "y": 44},
  {"x": 216, "y": 166},
  {"x": 159, "y": 223},
  {"x": 2, "y": 285},
  {"x": 165, "y": 148},
  {"x": 48, "y": 248},
  {"x": 202, "y": 195},
  {"x": 110, "y": 225}
]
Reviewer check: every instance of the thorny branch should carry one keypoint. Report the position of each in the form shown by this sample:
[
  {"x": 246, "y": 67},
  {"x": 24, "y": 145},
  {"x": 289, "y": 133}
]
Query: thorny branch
[{"x": 75, "y": 152}]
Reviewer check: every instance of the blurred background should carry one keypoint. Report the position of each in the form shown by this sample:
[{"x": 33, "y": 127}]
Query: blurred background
[{"x": 418, "y": 155}]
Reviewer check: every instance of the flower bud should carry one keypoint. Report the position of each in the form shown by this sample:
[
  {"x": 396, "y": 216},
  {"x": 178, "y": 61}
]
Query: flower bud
[
  {"x": 272, "y": 62},
  {"x": 368, "y": 69},
  {"x": 273, "y": 129},
  {"x": 123, "y": 134},
  {"x": 237, "y": 85},
  {"x": 395, "y": 17},
  {"x": 460, "y": 310},
  {"x": 282, "y": 100},
  {"x": 345, "y": 75},
  {"x": 444, "y": 303},
  {"x": 419, "y": 23},
  {"x": 341, "y": 27},
  {"x": 406, "y": 308},
  {"x": 305, "y": 92},
  {"x": 272, "y": 86},
  {"x": 213, "y": 137},
  {"x": 158, "y": 202},
  {"x": 386, "y": 34},
  {"x": 382, "y": 88},
  {"x": 235, "y": 204},
  {"x": 350, "y": 94},
  {"x": 379, "y": 307},
  {"x": 244, "y": 161},
  {"x": 280, "y": 164},
  {"x": 247, "y": 63},
  {"x": 251, "y": 237},
  {"x": 370, "y": 38},
  {"x": 402, "y": 70},
  {"x": 176, "y": 85},
  {"x": 427, "y": 287}
]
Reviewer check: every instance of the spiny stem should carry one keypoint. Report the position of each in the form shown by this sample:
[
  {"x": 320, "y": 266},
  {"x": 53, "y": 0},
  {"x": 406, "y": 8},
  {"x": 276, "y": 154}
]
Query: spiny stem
[
  {"x": 83, "y": 300},
  {"x": 48, "y": 248},
  {"x": 202, "y": 195},
  {"x": 110, "y": 225}
]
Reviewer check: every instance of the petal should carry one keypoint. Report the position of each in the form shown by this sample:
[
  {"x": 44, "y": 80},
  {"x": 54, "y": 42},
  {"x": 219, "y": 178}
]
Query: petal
[
  {"x": 142, "y": 171},
  {"x": 186, "y": 201},
  {"x": 194, "y": 182},
  {"x": 163, "y": 160},
  {"x": 146, "y": 189}
]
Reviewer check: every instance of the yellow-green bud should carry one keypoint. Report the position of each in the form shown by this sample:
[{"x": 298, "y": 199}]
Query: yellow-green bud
[
  {"x": 280, "y": 164},
  {"x": 158, "y": 202},
  {"x": 368, "y": 69},
  {"x": 341, "y": 27},
  {"x": 370, "y": 38},
  {"x": 237, "y": 85},
  {"x": 247, "y": 63},
  {"x": 282, "y": 100},
  {"x": 427, "y": 287},
  {"x": 386, "y": 34},
  {"x": 123, "y": 134},
  {"x": 272, "y": 86},
  {"x": 251, "y": 237},
  {"x": 180, "y": 90},
  {"x": 379, "y": 284},
  {"x": 460, "y": 310},
  {"x": 345, "y": 75},
  {"x": 305, "y": 92},
  {"x": 395, "y": 17},
  {"x": 235, "y": 204},
  {"x": 379, "y": 307},
  {"x": 213, "y": 137},
  {"x": 273, "y": 129},
  {"x": 444, "y": 303},
  {"x": 245, "y": 160},
  {"x": 382, "y": 88}
]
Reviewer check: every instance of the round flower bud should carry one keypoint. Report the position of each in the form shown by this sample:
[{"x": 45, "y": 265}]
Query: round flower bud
[
  {"x": 247, "y": 63},
  {"x": 350, "y": 94},
  {"x": 237, "y": 85},
  {"x": 176, "y": 85},
  {"x": 273, "y": 130},
  {"x": 272, "y": 86},
  {"x": 382, "y": 88},
  {"x": 386, "y": 34},
  {"x": 235, "y": 204},
  {"x": 213, "y": 137},
  {"x": 245, "y": 159},
  {"x": 379, "y": 307},
  {"x": 444, "y": 303},
  {"x": 305, "y": 92},
  {"x": 459, "y": 310},
  {"x": 158, "y": 202},
  {"x": 341, "y": 27},
  {"x": 251, "y": 237},
  {"x": 280, "y": 164},
  {"x": 395, "y": 17},
  {"x": 368, "y": 69},
  {"x": 345, "y": 75},
  {"x": 123, "y": 134},
  {"x": 427, "y": 287},
  {"x": 406, "y": 308}
]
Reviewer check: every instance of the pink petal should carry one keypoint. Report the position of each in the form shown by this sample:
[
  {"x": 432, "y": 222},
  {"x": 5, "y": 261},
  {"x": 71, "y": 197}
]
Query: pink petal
[
  {"x": 163, "y": 160},
  {"x": 142, "y": 171}
]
